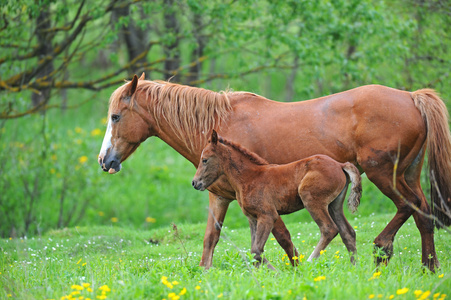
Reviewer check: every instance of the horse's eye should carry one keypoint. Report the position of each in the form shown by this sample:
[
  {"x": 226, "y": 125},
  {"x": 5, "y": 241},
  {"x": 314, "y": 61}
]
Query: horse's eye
[
  {"x": 115, "y": 118},
  {"x": 204, "y": 161}
]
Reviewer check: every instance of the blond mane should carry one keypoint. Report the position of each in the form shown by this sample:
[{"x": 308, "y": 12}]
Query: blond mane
[{"x": 191, "y": 112}]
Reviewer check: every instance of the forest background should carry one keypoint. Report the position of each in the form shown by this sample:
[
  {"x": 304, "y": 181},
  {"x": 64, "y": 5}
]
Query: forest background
[{"x": 61, "y": 60}]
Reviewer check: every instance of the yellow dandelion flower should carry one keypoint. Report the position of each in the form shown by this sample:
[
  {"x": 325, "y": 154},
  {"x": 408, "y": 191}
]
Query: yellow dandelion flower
[
  {"x": 151, "y": 220},
  {"x": 441, "y": 275},
  {"x": 391, "y": 297},
  {"x": 375, "y": 275},
  {"x": 83, "y": 159},
  {"x": 436, "y": 295},
  {"x": 114, "y": 219},
  {"x": 322, "y": 252},
  {"x": 101, "y": 213},
  {"x": 75, "y": 293},
  {"x": 175, "y": 282},
  {"x": 418, "y": 293},
  {"x": 54, "y": 157},
  {"x": 52, "y": 171},
  {"x": 380, "y": 295},
  {"x": 337, "y": 252},
  {"x": 78, "y": 141},
  {"x": 101, "y": 297},
  {"x": 220, "y": 295},
  {"x": 319, "y": 278},
  {"x": 89, "y": 290},
  {"x": 402, "y": 291},
  {"x": 105, "y": 288},
  {"x": 182, "y": 292},
  {"x": 371, "y": 296},
  {"x": 425, "y": 295},
  {"x": 96, "y": 132},
  {"x": 77, "y": 287},
  {"x": 79, "y": 261},
  {"x": 169, "y": 285},
  {"x": 78, "y": 130},
  {"x": 197, "y": 287},
  {"x": 303, "y": 241}
]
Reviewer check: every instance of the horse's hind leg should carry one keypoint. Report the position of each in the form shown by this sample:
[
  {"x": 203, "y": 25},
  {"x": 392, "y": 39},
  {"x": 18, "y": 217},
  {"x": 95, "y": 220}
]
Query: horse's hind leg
[
  {"x": 399, "y": 196},
  {"x": 422, "y": 218},
  {"x": 345, "y": 229}
]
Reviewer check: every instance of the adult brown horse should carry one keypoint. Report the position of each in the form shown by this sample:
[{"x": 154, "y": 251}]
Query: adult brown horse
[
  {"x": 264, "y": 191},
  {"x": 372, "y": 126}
]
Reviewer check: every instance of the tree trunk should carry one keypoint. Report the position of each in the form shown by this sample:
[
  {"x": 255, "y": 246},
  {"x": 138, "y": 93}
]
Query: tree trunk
[
  {"x": 44, "y": 38},
  {"x": 172, "y": 51},
  {"x": 134, "y": 37}
]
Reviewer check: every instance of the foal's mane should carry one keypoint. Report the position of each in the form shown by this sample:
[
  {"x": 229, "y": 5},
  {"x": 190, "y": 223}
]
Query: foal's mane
[
  {"x": 191, "y": 112},
  {"x": 252, "y": 156}
]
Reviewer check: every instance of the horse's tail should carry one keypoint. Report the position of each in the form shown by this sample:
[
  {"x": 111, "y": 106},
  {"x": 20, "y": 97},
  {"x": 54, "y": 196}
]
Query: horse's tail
[
  {"x": 356, "y": 187},
  {"x": 435, "y": 115}
]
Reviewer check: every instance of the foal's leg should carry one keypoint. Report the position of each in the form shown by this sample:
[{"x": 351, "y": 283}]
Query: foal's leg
[
  {"x": 345, "y": 229},
  {"x": 265, "y": 224},
  {"x": 283, "y": 237},
  {"x": 317, "y": 207},
  {"x": 217, "y": 211}
]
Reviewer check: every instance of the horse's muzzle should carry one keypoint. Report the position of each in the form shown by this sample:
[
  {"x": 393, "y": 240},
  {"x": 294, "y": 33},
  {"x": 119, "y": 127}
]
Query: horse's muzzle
[
  {"x": 110, "y": 164},
  {"x": 198, "y": 185}
]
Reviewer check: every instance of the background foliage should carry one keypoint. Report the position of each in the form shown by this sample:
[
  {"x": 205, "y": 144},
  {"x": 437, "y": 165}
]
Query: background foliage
[{"x": 60, "y": 61}]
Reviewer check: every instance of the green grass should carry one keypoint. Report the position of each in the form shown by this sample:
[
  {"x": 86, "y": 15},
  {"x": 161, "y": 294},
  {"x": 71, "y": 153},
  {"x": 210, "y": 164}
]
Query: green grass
[{"x": 123, "y": 261}]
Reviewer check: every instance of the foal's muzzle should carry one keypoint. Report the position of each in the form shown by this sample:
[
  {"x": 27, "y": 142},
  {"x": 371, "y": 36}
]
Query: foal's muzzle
[{"x": 198, "y": 185}]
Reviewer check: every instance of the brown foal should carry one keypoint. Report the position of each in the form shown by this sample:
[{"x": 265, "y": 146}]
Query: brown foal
[{"x": 265, "y": 190}]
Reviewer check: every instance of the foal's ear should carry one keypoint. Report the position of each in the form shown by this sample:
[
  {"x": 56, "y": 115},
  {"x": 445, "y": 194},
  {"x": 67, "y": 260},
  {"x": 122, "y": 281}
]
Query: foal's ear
[
  {"x": 131, "y": 87},
  {"x": 214, "y": 137},
  {"x": 143, "y": 75}
]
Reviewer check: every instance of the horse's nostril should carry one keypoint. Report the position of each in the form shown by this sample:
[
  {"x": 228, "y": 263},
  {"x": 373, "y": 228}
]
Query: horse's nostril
[{"x": 193, "y": 183}]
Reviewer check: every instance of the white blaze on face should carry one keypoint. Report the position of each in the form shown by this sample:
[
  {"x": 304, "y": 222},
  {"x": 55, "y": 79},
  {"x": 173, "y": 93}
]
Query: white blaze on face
[{"x": 106, "y": 144}]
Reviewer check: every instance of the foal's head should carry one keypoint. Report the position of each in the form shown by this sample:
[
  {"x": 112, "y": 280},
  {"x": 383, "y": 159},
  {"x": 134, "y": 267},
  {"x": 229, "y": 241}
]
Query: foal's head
[
  {"x": 210, "y": 167},
  {"x": 127, "y": 127},
  {"x": 220, "y": 154}
]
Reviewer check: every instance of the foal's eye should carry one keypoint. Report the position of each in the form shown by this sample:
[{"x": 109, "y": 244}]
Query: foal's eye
[
  {"x": 115, "y": 118},
  {"x": 204, "y": 161}
]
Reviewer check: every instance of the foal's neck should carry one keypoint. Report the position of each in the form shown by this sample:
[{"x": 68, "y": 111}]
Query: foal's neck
[{"x": 240, "y": 169}]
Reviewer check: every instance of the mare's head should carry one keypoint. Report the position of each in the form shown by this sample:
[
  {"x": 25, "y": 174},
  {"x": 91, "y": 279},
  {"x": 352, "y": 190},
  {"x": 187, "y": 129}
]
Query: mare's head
[
  {"x": 210, "y": 167},
  {"x": 127, "y": 127}
]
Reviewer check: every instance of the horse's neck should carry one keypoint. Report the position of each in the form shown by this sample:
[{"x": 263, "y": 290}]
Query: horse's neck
[{"x": 170, "y": 138}]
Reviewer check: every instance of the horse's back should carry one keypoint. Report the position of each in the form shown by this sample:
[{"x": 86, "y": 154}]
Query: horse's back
[{"x": 339, "y": 125}]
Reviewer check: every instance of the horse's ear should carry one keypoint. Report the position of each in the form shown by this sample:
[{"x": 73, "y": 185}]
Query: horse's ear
[
  {"x": 143, "y": 75},
  {"x": 214, "y": 137},
  {"x": 131, "y": 87}
]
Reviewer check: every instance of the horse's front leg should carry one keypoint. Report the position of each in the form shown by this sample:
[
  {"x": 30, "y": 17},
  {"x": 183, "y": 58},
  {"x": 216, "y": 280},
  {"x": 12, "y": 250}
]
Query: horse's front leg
[
  {"x": 217, "y": 210},
  {"x": 283, "y": 237}
]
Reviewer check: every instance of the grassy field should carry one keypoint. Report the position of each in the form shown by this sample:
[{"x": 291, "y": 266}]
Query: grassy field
[{"x": 110, "y": 262}]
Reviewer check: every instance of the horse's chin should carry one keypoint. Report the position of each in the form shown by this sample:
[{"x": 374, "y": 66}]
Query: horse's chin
[{"x": 114, "y": 171}]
